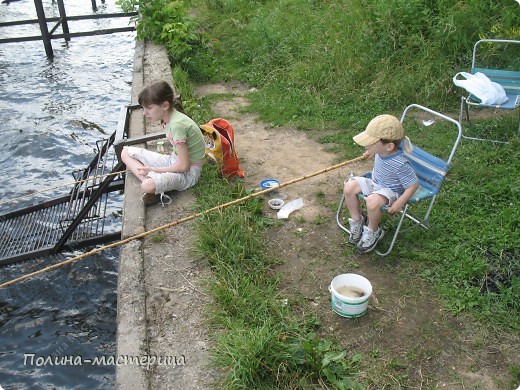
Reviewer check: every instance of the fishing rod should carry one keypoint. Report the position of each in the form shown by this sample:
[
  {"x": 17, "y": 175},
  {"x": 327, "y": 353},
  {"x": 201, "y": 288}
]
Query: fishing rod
[{"x": 179, "y": 221}]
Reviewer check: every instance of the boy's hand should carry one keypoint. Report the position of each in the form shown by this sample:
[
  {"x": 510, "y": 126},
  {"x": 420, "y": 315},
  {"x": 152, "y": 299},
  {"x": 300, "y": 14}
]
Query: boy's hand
[
  {"x": 401, "y": 201},
  {"x": 367, "y": 154},
  {"x": 396, "y": 207}
]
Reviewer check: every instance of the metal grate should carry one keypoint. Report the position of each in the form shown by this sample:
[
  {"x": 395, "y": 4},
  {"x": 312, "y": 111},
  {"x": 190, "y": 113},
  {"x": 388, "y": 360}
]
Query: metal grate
[{"x": 72, "y": 221}]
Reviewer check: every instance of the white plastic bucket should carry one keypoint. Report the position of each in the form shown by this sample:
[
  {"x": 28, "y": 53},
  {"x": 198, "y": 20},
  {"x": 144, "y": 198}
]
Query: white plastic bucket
[{"x": 347, "y": 305}]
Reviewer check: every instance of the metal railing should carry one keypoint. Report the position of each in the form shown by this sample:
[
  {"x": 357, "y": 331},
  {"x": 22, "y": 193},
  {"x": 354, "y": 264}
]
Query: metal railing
[{"x": 63, "y": 21}]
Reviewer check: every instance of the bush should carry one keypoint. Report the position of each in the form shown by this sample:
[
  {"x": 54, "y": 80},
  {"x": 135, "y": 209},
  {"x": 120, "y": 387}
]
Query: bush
[{"x": 165, "y": 22}]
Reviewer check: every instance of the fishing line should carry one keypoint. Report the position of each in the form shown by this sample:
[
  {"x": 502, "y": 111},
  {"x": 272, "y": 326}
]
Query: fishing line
[
  {"x": 179, "y": 221},
  {"x": 63, "y": 185}
]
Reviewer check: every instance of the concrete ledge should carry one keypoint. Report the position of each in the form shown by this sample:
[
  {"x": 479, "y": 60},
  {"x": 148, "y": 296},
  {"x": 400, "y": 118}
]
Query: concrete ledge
[
  {"x": 150, "y": 63},
  {"x": 131, "y": 321},
  {"x": 161, "y": 288}
]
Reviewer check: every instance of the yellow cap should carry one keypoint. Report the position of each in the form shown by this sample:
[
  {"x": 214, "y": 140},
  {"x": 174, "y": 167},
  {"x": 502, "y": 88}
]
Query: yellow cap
[{"x": 381, "y": 127}]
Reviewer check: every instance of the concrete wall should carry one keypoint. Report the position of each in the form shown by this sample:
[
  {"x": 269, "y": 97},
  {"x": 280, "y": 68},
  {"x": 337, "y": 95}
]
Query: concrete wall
[{"x": 150, "y": 63}]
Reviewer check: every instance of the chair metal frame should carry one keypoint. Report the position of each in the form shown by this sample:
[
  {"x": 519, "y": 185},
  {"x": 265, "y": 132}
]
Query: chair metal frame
[
  {"x": 431, "y": 171},
  {"x": 508, "y": 79}
]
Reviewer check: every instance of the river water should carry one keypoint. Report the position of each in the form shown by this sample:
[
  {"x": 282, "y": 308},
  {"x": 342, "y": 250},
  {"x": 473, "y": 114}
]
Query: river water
[{"x": 52, "y": 112}]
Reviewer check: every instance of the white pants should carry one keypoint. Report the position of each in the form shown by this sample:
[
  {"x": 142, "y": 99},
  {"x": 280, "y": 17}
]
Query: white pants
[{"x": 170, "y": 181}]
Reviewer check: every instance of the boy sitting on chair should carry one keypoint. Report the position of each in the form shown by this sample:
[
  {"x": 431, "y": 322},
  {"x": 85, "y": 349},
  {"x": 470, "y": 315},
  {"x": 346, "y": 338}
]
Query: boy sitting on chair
[{"x": 392, "y": 184}]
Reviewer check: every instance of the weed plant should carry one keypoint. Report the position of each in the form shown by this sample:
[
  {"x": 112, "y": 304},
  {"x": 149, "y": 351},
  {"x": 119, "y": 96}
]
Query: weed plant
[{"x": 166, "y": 22}]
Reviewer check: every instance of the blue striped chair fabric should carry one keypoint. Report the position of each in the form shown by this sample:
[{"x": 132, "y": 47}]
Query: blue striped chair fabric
[{"x": 430, "y": 171}]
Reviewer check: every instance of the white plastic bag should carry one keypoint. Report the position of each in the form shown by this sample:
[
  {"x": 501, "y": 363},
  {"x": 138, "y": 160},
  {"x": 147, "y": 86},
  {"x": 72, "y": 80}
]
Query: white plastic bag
[
  {"x": 480, "y": 86},
  {"x": 288, "y": 208}
]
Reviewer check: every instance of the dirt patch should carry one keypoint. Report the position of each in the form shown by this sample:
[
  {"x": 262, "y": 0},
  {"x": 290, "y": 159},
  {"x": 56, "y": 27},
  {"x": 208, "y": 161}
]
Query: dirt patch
[{"x": 407, "y": 338}]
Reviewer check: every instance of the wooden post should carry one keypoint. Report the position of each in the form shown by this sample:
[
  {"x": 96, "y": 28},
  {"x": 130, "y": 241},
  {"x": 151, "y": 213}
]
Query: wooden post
[
  {"x": 63, "y": 17},
  {"x": 43, "y": 28}
]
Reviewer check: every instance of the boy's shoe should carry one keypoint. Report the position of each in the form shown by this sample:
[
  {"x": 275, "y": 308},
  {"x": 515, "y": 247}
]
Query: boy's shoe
[
  {"x": 151, "y": 199},
  {"x": 356, "y": 229},
  {"x": 369, "y": 239}
]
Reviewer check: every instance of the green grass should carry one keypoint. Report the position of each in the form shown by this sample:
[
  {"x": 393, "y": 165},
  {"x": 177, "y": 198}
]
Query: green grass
[
  {"x": 328, "y": 67},
  {"x": 475, "y": 257},
  {"x": 334, "y": 64},
  {"x": 159, "y": 237},
  {"x": 259, "y": 340},
  {"x": 374, "y": 57}
]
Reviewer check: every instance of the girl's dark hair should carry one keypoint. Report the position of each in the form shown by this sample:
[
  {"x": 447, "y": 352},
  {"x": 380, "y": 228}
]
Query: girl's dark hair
[{"x": 157, "y": 92}]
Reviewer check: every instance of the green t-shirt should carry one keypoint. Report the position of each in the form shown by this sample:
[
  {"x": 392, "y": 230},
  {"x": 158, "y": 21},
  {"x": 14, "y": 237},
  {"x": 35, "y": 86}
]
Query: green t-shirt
[{"x": 183, "y": 129}]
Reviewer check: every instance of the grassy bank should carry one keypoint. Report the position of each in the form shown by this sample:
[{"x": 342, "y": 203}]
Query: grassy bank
[
  {"x": 374, "y": 57},
  {"x": 322, "y": 65},
  {"x": 259, "y": 341},
  {"x": 333, "y": 65}
]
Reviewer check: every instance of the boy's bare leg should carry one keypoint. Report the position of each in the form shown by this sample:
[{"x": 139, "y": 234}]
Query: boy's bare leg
[
  {"x": 351, "y": 191},
  {"x": 374, "y": 204}
]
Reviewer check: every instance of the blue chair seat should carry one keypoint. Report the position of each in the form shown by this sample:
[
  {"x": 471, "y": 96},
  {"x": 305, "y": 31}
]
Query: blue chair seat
[{"x": 507, "y": 78}]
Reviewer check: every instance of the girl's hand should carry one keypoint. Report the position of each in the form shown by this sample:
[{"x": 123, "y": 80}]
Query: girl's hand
[{"x": 144, "y": 170}]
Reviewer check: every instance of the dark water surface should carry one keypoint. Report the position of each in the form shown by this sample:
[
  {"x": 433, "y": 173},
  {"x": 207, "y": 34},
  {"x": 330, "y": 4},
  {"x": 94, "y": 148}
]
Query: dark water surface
[{"x": 52, "y": 112}]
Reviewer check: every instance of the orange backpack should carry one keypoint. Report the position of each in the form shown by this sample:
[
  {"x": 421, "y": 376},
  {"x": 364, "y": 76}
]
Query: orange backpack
[{"x": 220, "y": 149}]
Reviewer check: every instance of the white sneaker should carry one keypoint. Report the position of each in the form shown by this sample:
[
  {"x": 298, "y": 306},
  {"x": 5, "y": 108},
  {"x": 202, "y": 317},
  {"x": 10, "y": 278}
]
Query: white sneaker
[
  {"x": 163, "y": 197},
  {"x": 356, "y": 229},
  {"x": 369, "y": 239}
]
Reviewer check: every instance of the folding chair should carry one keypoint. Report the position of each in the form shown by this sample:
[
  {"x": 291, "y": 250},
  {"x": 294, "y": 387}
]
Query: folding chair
[
  {"x": 430, "y": 170},
  {"x": 509, "y": 79}
]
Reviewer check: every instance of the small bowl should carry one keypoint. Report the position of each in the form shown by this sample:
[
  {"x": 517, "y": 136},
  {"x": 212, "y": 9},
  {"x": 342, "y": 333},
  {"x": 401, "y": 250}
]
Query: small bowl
[
  {"x": 269, "y": 183},
  {"x": 275, "y": 203}
]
